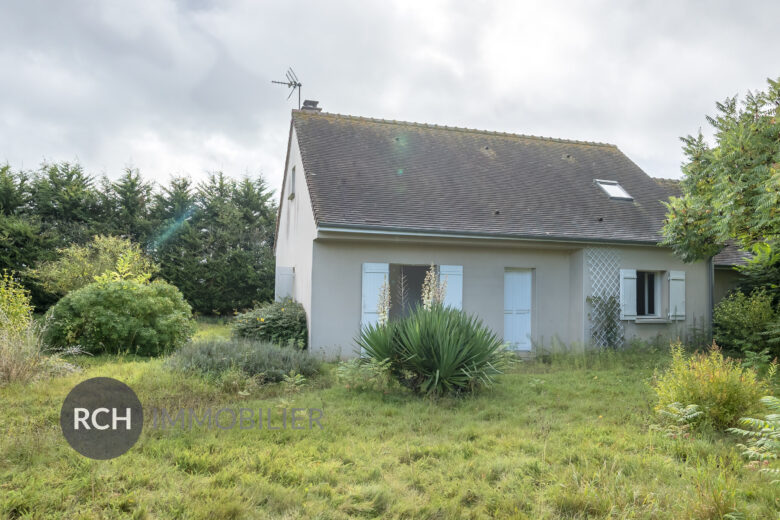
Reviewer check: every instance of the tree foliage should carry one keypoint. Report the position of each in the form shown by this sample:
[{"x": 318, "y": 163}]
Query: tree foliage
[
  {"x": 213, "y": 240},
  {"x": 731, "y": 190},
  {"x": 80, "y": 265}
]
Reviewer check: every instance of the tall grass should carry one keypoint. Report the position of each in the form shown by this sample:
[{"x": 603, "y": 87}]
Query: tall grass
[{"x": 24, "y": 357}]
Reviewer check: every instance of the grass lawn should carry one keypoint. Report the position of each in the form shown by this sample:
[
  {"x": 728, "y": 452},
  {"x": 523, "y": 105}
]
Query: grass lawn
[
  {"x": 569, "y": 439},
  {"x": 212, "y": 328}
]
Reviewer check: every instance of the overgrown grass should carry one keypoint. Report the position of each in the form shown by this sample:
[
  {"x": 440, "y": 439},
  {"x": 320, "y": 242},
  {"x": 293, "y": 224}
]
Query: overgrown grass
[
  {"x": 211, "y": 328},
  {"x": 567, "y": 438}
]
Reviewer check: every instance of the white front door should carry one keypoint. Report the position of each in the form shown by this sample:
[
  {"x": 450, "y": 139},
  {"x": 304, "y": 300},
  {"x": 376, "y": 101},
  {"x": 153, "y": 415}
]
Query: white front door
[{"x": 517, "y": 309}]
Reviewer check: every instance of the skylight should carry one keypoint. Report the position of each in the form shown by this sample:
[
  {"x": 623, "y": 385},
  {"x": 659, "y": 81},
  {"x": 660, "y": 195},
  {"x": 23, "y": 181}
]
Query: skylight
[{"x": 613, "y": 189}]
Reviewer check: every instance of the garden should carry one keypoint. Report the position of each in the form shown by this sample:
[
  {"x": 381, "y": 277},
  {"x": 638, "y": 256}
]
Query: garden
[
  {"x": 436, "y": 421},
  {"x": 435, "y": 418}
]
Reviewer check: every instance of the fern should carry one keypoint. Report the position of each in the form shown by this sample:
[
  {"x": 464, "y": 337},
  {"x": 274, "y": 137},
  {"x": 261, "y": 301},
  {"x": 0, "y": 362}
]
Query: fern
[{"x": 762, "y": 438}]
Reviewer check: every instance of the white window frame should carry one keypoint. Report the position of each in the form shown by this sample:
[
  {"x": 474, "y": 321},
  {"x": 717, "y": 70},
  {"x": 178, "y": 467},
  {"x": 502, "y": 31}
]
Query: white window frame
[{"x": 618, "y": 192}]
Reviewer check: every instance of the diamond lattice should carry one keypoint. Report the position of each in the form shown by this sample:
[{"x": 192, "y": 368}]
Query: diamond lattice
[{"x": 604, "y": 269}]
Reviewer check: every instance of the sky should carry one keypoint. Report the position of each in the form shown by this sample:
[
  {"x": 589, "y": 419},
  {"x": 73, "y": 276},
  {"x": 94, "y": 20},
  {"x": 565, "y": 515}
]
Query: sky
[{"x": 184, "y": 88}]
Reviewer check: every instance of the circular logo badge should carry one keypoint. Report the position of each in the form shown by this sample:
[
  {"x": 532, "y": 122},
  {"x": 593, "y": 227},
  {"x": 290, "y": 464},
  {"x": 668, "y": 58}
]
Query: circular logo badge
[{"x": 101, "y": 418}]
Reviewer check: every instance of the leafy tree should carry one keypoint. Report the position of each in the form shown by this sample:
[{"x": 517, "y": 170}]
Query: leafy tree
[
  {"x": 79, "y": 265},
  {"x": 731, "y": 191}
]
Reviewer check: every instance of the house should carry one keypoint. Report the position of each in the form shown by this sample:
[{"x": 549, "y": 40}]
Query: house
[{"x": 544, "y": 239}]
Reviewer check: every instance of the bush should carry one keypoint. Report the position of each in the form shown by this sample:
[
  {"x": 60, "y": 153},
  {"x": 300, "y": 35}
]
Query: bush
[
  {"x": 15, "y": 306},
  {"x": 80, "y": 265},
  {"x": 119, "y": 316},
  {"x": 283, "y": 323},
  {"x": 740, "y": 321},
  {"x": 437, "y": 351},
  {"x": 253, "y": 358},
  {"x": 721, "y": 388}
]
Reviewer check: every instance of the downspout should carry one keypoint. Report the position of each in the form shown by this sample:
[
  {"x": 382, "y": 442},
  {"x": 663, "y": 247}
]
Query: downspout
[{"x": 710, "y": 293}]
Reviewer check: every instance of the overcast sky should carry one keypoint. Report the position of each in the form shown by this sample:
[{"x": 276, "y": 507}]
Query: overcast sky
[{"x": 184, "y": 87}]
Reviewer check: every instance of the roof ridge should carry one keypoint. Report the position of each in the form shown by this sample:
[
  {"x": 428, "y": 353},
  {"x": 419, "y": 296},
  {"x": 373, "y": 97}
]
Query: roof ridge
[{"x": 452, "y": 128}]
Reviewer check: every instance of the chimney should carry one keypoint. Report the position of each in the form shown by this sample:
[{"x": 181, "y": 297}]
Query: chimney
[{"x": 310, "y": 104}]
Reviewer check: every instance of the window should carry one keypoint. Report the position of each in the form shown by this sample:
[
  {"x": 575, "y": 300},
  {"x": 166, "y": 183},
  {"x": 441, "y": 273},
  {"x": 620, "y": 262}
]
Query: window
[
  {"x": 291, "y": 188},
  {"x": 647, "y": 293},
  {"x": 613, "y": 189},
  {"x": 652, "y": 294}
]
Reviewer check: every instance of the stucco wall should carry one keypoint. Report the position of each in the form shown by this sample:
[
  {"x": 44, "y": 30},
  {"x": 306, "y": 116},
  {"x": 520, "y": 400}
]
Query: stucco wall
[
  {"x": 295, "y": 238},
  {"x": 560, "y": 286},
  {"x": 697, "y": 298},
  {"x": 725, "y": 280},
  {"x": 336, "y": 297}
]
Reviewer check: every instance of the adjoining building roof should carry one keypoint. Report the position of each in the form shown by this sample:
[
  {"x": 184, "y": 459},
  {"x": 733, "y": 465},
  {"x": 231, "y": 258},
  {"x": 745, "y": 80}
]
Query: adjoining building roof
[
  {"x": 671, "y": 186},
  {"x": 731, "y": 256},
  {"x": 392, "y": 175}
]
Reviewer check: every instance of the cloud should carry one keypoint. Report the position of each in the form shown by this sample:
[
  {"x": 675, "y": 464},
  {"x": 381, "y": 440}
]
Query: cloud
[{"x": 184, "y": 87}]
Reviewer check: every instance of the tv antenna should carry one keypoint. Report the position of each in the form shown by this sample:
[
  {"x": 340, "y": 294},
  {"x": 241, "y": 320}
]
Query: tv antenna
[{"x": 292, "y": 83}]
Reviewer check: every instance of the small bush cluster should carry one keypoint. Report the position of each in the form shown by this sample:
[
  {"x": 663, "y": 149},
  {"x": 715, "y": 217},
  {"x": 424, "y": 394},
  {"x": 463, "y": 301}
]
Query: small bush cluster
[
  {"x": 718, "y": 385},
  {"x": 269, "y": 362},
  {"x": 282, "y": 322},
  {"x": 741, "y": 322},
  {"x": 437, "y": 351},
  {"x": 121, "y": 316},
  {"x": 15, "y": 307}
]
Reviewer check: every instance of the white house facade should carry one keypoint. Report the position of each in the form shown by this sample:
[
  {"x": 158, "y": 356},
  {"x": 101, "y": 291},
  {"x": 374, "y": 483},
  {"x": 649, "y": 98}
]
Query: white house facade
[{"x": 545, "y": 240}]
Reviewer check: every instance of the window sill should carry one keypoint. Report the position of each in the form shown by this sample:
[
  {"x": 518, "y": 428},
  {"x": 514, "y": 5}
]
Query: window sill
[{"x": 651, "y": 319}]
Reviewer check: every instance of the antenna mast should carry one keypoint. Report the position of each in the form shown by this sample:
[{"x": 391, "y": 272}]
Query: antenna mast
[{"x": 292, "y": 83}]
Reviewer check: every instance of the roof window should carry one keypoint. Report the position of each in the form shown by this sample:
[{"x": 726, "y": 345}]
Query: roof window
[{"x": 613, "y": 189}]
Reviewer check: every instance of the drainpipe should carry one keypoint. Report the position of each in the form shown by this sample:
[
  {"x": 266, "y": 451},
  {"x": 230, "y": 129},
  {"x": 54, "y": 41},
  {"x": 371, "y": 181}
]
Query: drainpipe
[{"x": 710, "y": 292}]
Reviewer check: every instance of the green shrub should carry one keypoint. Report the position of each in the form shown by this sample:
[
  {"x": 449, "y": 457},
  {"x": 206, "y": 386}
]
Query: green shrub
[
  {"x": 79, "y": 265},
  {"x": 721, "y": 388},
  {"x": 283, "y": 323},
  {"x": 121, "y": 316},
  {"x": 15, "y": 306},
  {"x": 740, "y": 321},
  {"x": 254, "y": 358},
  {"x": 436, "y": 351}
]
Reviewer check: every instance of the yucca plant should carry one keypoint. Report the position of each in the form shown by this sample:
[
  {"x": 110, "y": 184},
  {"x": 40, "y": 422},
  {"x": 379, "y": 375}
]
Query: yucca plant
[
  {"x": 763, "y": 437},
  {"x": 437, "y": 351}
]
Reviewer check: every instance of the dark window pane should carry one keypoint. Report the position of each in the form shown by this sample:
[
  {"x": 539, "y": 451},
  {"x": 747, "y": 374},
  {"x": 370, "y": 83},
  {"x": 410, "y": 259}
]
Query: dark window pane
[
  {"x": 650, "y": 293},
  {"x": 640, "y": 293}
]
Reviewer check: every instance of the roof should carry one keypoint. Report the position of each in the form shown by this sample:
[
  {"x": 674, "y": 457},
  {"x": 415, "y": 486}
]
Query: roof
[
  {"x": 393, "y": 175},
  {"x": 670, "y": 186},
  {"x": 730, "y": 256}
]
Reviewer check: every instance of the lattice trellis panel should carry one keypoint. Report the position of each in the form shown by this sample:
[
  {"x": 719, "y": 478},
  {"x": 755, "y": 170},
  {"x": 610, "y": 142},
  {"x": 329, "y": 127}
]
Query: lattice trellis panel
[{"x": 604, "y": 270}]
